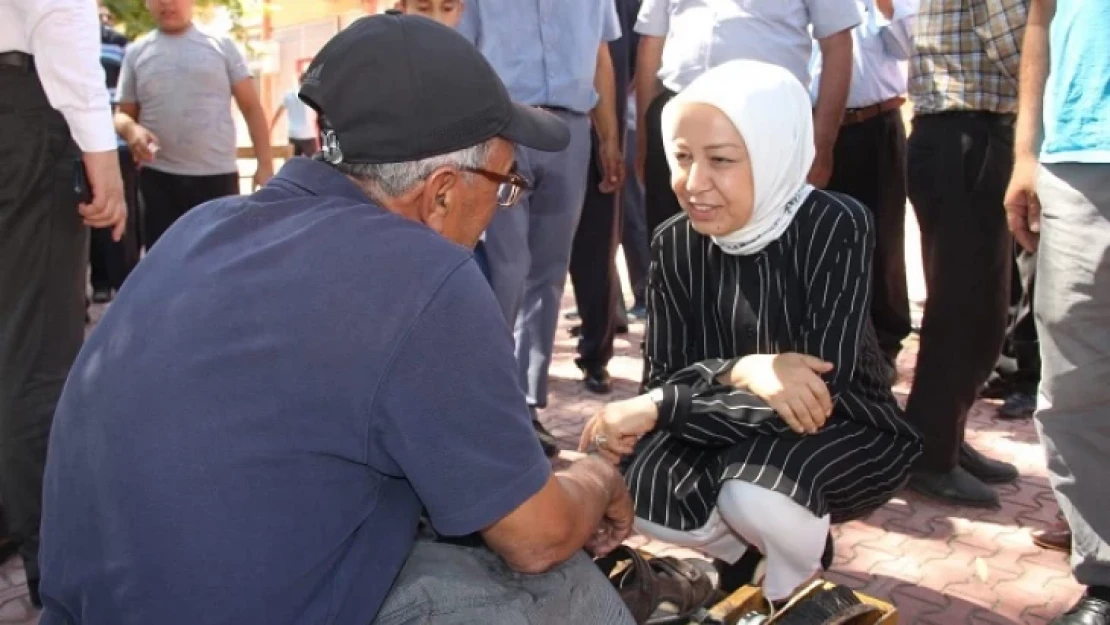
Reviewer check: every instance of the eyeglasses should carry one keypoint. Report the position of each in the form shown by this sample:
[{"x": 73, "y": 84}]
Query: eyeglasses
[{"x": 509, "y": 186}]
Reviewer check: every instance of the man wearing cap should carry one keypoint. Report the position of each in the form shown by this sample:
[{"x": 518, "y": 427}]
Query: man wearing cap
[
  {"x": 252, "y": 431},
  {"x": 552, "y": 54}
]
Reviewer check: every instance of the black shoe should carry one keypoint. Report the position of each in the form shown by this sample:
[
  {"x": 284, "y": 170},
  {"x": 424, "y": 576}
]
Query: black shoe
[
  {"x": 1089, "y": 610},
  {"x": 33, "y": 591},
  {"x": 101, "y": 296},
  {"x": 597, "y": 380},
  {"x": 747, "y": 571},
  {"x": 956, "y": 487},
  {"x": 548, "y": 441},
  {"x": 1018, "y": 405},
  {"x": 989, "y": 470},
  {"x": 997, "y": 387}
]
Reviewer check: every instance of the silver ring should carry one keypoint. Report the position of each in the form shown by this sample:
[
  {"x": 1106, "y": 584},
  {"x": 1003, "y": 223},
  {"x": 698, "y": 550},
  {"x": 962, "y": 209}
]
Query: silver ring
[{"x": 600, "y": 440}]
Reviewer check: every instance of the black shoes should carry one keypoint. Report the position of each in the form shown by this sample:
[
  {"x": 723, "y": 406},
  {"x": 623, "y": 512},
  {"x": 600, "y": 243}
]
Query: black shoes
[
  {"x": 966, "y": 485},
  {"x": 957, "y": 487},
  {"x": 1093, "y": 608},
  {"x": 988, "y": 470},
  {"x": 1017, "y": 406},
  {"x": 597, "y": 380}
]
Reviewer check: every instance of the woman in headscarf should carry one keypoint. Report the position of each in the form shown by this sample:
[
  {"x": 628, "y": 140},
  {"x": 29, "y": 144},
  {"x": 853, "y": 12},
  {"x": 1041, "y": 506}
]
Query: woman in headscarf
[{"x": 768, "y": 415}]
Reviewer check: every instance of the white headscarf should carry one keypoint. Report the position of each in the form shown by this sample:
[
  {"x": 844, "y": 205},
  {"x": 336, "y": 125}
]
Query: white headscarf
[{"x": 772, "y": 112}]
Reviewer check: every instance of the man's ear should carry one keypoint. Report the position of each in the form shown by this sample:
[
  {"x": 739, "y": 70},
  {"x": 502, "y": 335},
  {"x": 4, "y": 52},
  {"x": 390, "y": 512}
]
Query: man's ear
[{"x": 436, "y": 200}]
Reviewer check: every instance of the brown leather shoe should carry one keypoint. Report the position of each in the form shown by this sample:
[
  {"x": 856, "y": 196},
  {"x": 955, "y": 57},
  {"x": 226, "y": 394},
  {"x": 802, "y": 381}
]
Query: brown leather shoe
[{"x": 1057, "y": 537}]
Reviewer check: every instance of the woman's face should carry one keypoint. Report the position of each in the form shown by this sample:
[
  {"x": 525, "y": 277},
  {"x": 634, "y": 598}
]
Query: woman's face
[{"x": 711, "y": 174}]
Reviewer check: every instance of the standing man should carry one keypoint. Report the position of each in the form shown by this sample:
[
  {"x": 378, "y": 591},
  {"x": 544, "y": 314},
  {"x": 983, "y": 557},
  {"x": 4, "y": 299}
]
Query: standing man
[
  {"x": 681, "y": 39},
  {"x": 869, "y": 159},
  {"x": 300, "y": 128},
  {"x": 963, "y": 83},
  {"x": 553, "y": 54},
  {"x": 174, "y": 114},
  {"x": 53, "y": 96},
  {"x": 110, "y": 261},
  {"x": 593, "y": 267},
  {"x": 1060, "y": 207}
]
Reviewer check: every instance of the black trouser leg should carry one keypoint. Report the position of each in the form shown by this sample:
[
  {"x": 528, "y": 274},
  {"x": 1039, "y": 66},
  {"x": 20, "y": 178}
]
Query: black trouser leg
[
  {"x": 166, "y": 197},
  {"x": 959, "y": 165},
  {"x": 593, "y": 269},
  {"x": 634, "y": 233},
  {"x": 870, "y": 165},
  {"x": 659, "y": 200},
  {"x": 43, "y": 261},
  {"x": 112, "y": 261},
  {"x": 1023, "y": 332}
]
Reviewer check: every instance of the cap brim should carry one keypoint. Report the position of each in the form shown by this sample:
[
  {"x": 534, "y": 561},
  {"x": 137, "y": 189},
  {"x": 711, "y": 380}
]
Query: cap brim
[{"x": 537, "y": 129}]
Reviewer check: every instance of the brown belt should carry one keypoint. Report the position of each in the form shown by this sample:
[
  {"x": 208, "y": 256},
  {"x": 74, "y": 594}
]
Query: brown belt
[
  {"x": 860, "y": 115},
  {"x": 20, "y": 60}
]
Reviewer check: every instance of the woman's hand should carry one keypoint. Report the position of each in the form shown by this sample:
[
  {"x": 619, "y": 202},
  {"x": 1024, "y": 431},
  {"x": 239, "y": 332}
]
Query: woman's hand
[
  {"x": 616, "y": 428},
  {"x": 790, "y": 383}
]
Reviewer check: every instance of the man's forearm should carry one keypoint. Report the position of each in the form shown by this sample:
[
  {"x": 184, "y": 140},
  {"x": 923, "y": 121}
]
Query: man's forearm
[
  {"x": 604, "y": 114},
  {"x": 832, "y": 94},
  {"x": 123, "y": 123},
  {"x": 1034, "y": 74},
  {"x": 649, "y": 57},
  {"x": 260, "y": 134}
]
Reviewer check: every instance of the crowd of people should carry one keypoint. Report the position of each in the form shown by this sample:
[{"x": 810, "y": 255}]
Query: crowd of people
[{"x": 323, "y": 401}]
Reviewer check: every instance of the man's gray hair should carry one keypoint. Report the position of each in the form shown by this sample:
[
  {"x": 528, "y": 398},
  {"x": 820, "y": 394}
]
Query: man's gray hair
[{"x": 394, "y": 179}]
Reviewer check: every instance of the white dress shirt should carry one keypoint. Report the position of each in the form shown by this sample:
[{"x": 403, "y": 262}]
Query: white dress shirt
[
  {"x": 881, "y": 48},
  {"x": 64, "y": 38}
]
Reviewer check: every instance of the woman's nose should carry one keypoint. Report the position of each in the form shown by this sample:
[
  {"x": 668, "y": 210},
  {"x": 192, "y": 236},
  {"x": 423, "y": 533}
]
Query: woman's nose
[{"x": 697, "y": 178}]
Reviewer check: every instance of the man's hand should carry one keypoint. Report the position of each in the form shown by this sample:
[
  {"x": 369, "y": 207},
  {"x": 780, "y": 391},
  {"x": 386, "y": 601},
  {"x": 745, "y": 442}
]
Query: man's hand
[
  {"x": 616, "y": 525},
  {"x": 263, "y": 173},
  {"x": 1023, "y": 208},
  {"x": 144, "y": 145},
  {"x": 821, "y": 170},
  {"x": 108, "y": 208},
  {"x": 611, "y": 159},
  {"x": 790, "y": 383},
  {"x": 620, "y": 424}
]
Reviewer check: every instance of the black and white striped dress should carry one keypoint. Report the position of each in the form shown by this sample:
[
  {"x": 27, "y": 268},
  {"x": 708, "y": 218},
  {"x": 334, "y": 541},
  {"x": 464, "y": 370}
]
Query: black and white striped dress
[{"x": 807, "y": 292}]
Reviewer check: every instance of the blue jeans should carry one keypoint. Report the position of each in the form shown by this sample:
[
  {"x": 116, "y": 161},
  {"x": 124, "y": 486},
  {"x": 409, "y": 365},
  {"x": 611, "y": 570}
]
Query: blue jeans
[{"x": 451, "y": 585}]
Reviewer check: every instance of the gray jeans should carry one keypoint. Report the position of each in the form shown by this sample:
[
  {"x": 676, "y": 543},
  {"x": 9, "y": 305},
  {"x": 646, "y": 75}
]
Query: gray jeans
[
  {"x": 1072, "y": 310},
  {"x": 450, "y": 585}
]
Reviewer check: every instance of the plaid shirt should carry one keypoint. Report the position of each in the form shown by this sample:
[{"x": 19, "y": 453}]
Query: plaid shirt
[{"x": 966, "y": 55}]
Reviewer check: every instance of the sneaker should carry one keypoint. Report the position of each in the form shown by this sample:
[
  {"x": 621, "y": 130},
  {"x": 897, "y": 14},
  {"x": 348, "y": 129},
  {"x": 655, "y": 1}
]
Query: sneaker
[
  {"x": 1018, "y": 405},
  {"x": 101, "y": 296}
]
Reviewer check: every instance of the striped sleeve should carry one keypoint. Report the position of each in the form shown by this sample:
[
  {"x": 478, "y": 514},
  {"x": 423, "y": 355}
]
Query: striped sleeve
[
  {"x": 837, "y": 261},
  {"x": 695, "y": 407}
]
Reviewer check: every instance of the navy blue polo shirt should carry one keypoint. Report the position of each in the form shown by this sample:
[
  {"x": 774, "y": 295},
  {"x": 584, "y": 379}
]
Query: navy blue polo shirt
[{"x": 250, "y": 433}]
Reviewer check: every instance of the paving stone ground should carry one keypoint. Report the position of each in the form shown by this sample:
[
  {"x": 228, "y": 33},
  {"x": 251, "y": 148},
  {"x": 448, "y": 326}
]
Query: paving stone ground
[{"x": 939, "y": 565}]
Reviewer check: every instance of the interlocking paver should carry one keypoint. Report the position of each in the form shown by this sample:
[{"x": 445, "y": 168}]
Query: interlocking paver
[{"x": 940, "y": 565}]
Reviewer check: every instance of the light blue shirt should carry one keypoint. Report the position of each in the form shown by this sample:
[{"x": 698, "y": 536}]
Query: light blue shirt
[
  {"x": 1077, "y": 95},
  {"x": 702, "y": 34},
  {"x": 545, "y": 51},
  {"x": 880, "y": 49}
]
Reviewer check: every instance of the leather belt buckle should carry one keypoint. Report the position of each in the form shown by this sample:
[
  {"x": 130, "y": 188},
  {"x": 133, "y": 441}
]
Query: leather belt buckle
[{"x": 860, "y": 115}]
